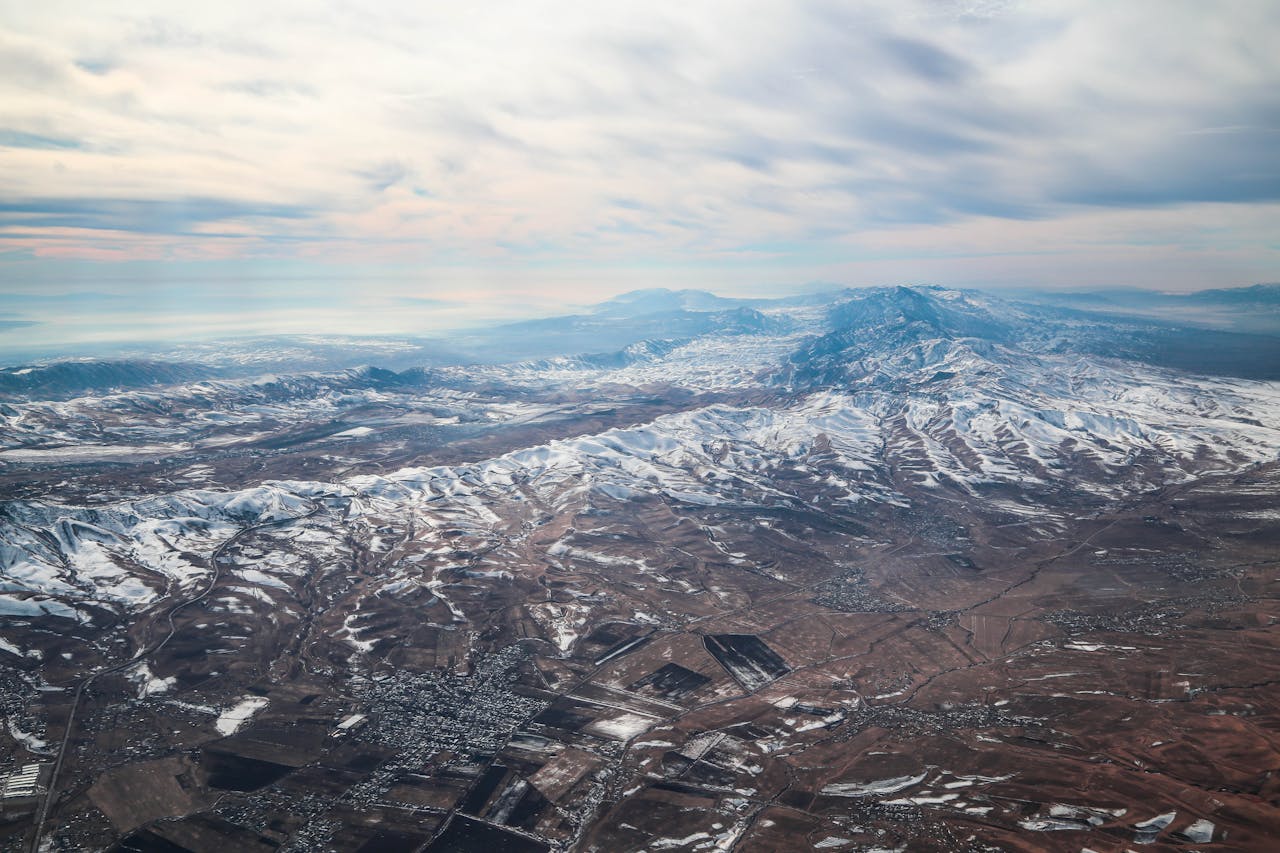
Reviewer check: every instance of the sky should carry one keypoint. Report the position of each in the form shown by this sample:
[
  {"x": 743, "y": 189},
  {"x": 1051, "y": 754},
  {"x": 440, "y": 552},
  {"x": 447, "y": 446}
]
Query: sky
[{"x": 172, "y": 169}]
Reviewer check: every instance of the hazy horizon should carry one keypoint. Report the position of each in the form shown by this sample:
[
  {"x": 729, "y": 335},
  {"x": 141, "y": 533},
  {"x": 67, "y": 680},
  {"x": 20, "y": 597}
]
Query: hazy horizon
[{"x": 139, "y": 332}]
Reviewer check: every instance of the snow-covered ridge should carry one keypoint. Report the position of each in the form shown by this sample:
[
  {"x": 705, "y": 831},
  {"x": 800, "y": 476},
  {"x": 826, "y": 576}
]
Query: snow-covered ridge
[
  {"x": 958, "y": 434},
  {"x": 178, "y": 412},
  {"x": 128, "y": 553},
  {"x": 933, "y": 408},
  {"x": 1034, "y": 423}
]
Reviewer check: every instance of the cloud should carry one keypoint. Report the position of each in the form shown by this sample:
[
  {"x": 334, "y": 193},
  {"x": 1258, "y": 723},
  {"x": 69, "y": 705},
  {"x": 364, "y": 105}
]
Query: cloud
[
  {"x": 388, "y": 173},
  {"x": 20, "y": 139},
  {"x": 143, "y": 216},
  {"x": 694, "y": 137},
  {"x": 926, "y": 60}
]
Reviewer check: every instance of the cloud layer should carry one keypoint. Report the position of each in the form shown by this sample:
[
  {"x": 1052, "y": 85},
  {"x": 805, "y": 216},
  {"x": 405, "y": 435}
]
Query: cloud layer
[{"x": 546, "y": 145}]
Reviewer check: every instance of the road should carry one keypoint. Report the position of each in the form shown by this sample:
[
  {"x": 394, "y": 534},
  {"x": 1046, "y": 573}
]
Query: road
[{"x": 51, "y": 794}]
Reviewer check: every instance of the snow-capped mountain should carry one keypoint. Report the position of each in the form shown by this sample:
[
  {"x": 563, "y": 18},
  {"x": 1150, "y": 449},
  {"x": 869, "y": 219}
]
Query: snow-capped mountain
[
  {"x": 891, "y": 390},
  {"x": 885, "y": 569}
]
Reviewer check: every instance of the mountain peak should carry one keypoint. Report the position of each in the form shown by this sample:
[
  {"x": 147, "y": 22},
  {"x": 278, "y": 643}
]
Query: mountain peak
[
  {"x": 949, "y": 313},
  {"x": 661, "y": 300}
]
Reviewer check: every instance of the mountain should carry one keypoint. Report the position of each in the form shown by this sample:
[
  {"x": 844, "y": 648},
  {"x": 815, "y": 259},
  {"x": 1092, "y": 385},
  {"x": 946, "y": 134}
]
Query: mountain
[
  {"x": 639, "y": 303},
  {"x": 1250, "y": 310},
  {"x": 882, "y": 321},
  {"x": 63, "y": 379},
  {"x": 1258, "y": 295},
  {"x": 604, "y": 332},
  {"x": 901, "y": 388},
  {"x": 898, "y": 568}
]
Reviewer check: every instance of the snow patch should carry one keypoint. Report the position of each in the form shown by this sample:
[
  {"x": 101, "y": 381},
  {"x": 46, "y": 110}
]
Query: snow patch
[{"x": 234, "y": 718}]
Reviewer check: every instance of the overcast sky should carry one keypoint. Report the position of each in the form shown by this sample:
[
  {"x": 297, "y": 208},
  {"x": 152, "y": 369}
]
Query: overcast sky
[{"x": 260, "y": 166}]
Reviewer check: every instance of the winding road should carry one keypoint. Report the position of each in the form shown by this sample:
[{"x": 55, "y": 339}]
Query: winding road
[{"x": 214, "y": 560}]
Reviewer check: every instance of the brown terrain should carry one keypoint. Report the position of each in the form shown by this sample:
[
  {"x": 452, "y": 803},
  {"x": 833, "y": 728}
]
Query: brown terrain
[{"x": 957, "y": 681}]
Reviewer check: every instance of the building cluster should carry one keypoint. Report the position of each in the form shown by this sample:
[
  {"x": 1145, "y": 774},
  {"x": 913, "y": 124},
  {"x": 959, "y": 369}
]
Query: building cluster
[
  {"x": 420, "y": 716},
  {"x": 850, "y": 593},
  {"x": 24, "y": 782},
  {"x": 428, "y": 713}
]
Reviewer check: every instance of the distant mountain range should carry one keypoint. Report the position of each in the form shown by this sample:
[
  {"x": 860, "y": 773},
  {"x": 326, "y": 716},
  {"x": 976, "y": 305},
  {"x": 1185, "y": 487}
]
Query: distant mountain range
[
  {"x": 1254, "y": 310},
  {"x": 1232, "y": 332}
]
